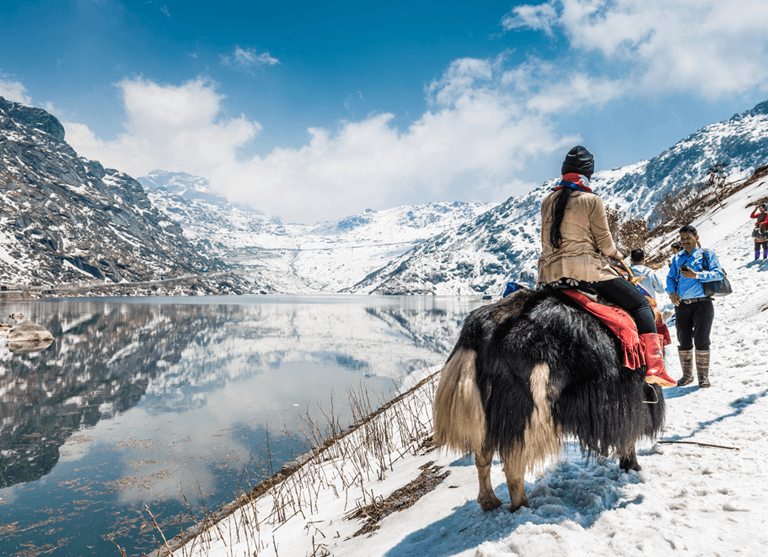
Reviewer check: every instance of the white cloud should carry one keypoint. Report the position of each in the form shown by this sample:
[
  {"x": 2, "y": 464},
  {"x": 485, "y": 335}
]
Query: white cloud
[
  {"x": 538, "y": 18},
  {"x": 469, "y": 145},
  {"x": 13, "y": 91},
  {"x": 247, "y": 58},
  {"x": 176, "y": 128},
  {"x": 487, "y": 120},
  {"x": 706, "y": 47},
  {"x": 474, "y": 140}
]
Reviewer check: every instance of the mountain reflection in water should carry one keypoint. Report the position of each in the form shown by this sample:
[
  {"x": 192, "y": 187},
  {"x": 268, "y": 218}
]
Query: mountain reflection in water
[{"x": 162, "y": 401}]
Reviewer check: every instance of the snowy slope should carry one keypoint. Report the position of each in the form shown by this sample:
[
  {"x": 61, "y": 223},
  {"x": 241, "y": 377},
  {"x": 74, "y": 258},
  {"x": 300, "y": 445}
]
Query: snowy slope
[
  {"x": 703, "y": 489},
  {"x": 504, "y": 243},
  {"x": 741, "y": 141}
]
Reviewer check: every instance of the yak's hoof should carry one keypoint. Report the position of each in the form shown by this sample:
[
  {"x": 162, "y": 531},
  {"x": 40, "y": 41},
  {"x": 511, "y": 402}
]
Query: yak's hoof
[
  {"x": 628, "y": 464},
  {"x": 489, "y": 504},
  {"x": 514, "y": 508}
]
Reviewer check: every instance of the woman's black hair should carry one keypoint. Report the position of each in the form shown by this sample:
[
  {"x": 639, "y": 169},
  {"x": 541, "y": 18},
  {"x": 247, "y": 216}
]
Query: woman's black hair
[{"x": 558, "y": 212}]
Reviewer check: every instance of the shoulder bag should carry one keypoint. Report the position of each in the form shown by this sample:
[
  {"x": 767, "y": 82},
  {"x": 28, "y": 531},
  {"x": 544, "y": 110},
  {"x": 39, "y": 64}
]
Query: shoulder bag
[{"x": 716, "y": 288}]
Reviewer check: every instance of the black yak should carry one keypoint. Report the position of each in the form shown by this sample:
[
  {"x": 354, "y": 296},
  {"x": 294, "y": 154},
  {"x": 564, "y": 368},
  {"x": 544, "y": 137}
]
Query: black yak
[{"x": 529, "y": 370}]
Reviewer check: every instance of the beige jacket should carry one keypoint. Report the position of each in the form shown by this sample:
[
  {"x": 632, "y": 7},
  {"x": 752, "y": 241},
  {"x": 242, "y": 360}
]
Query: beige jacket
[{"x": 586, "y": 245}]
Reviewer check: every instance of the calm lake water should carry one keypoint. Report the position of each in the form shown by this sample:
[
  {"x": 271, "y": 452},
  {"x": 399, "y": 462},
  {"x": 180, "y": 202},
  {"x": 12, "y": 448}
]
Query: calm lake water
[{"x": 167, "y": 404}]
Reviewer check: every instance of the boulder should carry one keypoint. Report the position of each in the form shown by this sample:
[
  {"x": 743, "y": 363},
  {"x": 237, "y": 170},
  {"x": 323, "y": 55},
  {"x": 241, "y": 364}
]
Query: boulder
[{"x": 28, "y": 337}]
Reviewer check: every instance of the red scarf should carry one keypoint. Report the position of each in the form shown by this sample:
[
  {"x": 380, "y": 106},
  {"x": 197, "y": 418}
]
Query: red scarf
[{"x": 574, "y": 181}]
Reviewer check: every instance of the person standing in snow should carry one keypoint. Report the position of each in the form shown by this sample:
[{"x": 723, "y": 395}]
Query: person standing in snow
[
  {"x": 694, "y": 311},
  {"x": 576, "y": 245},
  {"x": 650, "y": 281},
  {"x": 760, "y": 233}
]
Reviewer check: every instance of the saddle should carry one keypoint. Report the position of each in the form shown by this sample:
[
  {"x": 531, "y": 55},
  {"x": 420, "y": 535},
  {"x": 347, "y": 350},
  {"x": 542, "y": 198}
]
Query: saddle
[{"x": 621, "y": 324}]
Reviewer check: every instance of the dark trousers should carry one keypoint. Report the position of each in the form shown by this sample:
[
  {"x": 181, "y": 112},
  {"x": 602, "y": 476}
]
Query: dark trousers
[
  {"x": 625, "y": 295},
  {"x": 693, "y": 323}
]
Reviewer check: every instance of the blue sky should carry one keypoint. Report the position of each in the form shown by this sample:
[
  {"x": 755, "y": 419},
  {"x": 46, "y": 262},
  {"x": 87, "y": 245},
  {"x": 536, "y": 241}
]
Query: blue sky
[{"x": 317, "y": 110}]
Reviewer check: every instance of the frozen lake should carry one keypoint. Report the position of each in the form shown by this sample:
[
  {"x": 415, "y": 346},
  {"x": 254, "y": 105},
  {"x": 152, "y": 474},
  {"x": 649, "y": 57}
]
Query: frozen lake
[{"x": 163, "y": 403}]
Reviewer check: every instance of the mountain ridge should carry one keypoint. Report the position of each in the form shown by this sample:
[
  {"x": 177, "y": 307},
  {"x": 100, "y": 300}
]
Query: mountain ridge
[
  {"x": 299, "y": 258},
  {"x": 504, "y": 243}
]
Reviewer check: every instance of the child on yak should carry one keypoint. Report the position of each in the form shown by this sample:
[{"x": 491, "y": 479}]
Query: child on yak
[{"x": 576, "y": 244}]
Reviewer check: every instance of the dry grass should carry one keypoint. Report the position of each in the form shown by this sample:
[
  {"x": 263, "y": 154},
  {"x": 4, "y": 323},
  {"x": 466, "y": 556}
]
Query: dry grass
[
  {"x": 339, "y": 461},
  {"x": 628, "y": 233}
]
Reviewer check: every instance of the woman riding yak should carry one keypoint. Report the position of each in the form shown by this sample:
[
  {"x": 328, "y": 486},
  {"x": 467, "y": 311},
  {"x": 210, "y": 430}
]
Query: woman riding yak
[{"x": 576, "y": 245}]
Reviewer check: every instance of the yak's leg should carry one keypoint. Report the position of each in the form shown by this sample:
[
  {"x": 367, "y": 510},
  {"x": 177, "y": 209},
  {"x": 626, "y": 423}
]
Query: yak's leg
[
  {"x": 514, "y": 470},
  {"x": 628, "y": 461},
  {"x": 487, "y": 499}
]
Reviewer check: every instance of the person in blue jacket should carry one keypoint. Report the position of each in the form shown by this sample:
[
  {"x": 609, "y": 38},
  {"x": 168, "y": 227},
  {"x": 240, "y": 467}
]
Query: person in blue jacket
[{"x": 694, "y": 311}]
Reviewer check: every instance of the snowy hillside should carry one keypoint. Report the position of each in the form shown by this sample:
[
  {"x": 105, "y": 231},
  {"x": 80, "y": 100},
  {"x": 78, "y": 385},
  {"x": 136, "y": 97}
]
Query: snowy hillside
[
  {"x": 702, "y": 491},
  {"x": 503, "y": 244},
  {"x": 297, "y": 258}
]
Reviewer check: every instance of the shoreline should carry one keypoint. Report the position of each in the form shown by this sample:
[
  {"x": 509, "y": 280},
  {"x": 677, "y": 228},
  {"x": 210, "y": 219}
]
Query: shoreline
[{"x": 213, "y": 284}]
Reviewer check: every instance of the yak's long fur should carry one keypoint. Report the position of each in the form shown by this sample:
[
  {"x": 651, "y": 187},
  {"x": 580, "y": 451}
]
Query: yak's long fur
[{"x": 534, "y": 367}]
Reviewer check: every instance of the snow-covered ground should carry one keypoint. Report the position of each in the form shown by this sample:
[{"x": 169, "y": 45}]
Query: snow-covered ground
[{"x": 703, "y": 489}]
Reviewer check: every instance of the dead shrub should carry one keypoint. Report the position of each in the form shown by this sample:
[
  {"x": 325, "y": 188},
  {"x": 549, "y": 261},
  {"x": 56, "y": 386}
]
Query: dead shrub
[
  {"x": 628, "y": 233},
  {"x": 690, "y": 201}
]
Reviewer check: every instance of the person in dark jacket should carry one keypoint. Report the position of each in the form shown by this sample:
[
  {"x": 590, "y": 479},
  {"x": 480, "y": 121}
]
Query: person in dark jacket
[
  {"x": 760, "y": 233},
  {"x": 694, "y": 311},
  {"x": 576, "y": 246}
]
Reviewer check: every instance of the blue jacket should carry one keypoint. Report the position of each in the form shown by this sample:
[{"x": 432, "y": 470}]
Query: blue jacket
[{"x": 688, "y": 288}]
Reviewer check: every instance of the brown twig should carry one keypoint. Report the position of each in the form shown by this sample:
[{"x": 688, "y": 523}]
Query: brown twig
[{"x": 702, "y": 444}]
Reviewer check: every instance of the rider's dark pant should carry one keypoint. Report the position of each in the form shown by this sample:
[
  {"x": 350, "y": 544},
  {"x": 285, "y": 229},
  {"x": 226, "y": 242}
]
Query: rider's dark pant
[{"x": 625, "y": 295}]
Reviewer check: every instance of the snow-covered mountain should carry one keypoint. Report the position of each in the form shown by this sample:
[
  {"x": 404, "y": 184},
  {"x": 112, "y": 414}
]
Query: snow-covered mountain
[
  {"x": 741, "y": 142},
  {"x": 298, "y": 258},
  {"x": 66, "y": 219},
  {"x": 503, "y": 244}
]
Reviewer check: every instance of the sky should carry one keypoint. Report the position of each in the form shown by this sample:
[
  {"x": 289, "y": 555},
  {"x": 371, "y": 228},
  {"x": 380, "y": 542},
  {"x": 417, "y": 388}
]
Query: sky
[{"x": 313, "y": 111}]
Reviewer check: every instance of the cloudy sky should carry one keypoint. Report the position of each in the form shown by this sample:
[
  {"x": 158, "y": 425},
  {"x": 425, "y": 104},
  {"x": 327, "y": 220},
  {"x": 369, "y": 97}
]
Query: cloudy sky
[{"x": 318, "y": 110}]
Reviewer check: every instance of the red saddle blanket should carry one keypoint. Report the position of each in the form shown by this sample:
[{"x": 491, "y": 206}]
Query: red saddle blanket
[{"x": 620, "y": 323}]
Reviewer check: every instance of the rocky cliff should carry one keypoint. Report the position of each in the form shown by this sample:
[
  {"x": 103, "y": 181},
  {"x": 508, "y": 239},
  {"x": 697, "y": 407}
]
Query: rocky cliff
[{"x": 66, "y": 219}]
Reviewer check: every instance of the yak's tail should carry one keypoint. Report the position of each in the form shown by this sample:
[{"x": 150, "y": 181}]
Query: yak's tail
[{"x": 459, "y": 416}]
